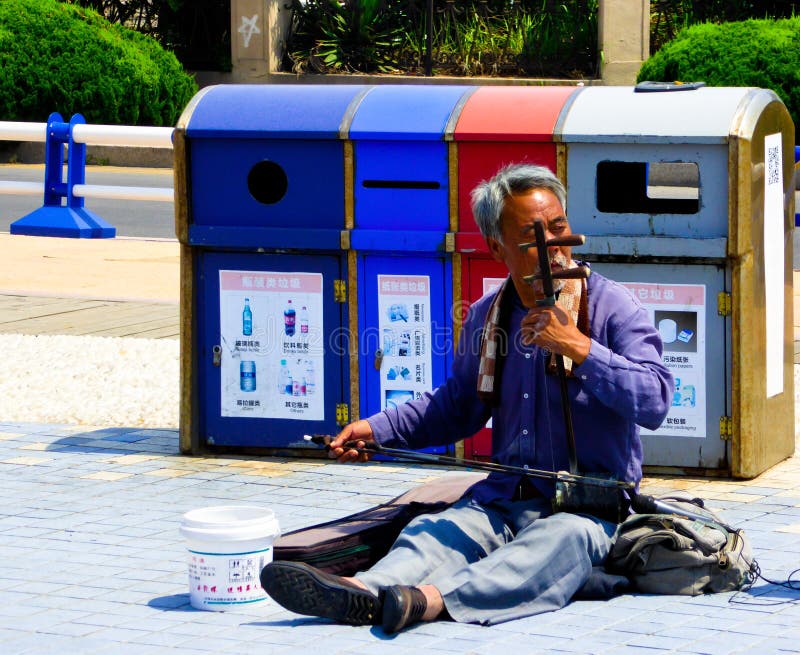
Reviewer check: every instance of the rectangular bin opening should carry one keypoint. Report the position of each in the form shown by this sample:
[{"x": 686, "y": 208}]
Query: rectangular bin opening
[
  {"x": 648, "y": 188},
  {"x": 399, "y": 184}
]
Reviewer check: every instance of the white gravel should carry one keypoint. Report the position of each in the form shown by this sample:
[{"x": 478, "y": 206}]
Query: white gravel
[
  {"x": 106, "y": 381},
  {"x": 98, "y": 381}
]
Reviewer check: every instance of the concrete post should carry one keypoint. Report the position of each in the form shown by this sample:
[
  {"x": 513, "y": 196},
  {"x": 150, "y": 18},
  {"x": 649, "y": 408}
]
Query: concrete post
[
  {"x": 258, "y": 33},
  {"x": 623, "y": 38}
]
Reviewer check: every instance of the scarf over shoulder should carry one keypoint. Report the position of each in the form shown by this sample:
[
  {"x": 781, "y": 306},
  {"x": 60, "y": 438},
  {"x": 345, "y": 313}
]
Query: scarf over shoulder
[{"x": 573, "y": 298}]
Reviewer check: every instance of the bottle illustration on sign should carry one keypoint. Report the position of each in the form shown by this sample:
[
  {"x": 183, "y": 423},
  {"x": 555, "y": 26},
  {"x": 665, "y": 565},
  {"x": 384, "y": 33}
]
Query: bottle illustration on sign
[
  {"x": 310, "y": 378},
  {"x": 302, "y": 318},
  {"x": 300, "y": 379},
  {"x": 284, "y": 379},
  {"x": 247, "y": 375},
  {"x": 247, "y": 319},
  {"x": 289, "y": 316}
]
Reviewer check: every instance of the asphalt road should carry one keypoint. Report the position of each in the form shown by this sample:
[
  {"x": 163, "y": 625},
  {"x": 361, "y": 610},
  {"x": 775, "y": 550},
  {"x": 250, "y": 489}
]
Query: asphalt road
[{"x": 132, "y": 218}]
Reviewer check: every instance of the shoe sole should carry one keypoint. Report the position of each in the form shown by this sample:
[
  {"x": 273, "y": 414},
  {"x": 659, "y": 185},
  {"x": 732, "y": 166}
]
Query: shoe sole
[{"x": 300, "y": 590}]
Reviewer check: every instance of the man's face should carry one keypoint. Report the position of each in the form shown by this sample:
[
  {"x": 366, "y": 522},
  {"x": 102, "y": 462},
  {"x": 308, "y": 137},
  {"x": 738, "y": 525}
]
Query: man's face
[{"x": 516, "y": 226}]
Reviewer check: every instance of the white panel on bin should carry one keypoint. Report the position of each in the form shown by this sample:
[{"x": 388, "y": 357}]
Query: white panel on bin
[{"x": 619, "y": 114}]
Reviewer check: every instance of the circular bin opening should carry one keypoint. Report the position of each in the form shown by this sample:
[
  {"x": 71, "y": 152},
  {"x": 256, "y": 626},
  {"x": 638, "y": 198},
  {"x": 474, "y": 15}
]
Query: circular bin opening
[{"x": 267, "y": 182}]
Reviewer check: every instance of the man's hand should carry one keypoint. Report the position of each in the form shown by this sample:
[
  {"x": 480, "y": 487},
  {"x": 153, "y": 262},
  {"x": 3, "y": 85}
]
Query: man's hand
[
  {"x": 358, "y": 431},
  {"x": 552, "y": 328}
]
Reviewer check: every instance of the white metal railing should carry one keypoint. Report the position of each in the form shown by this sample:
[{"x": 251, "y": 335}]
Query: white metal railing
[
  {"x": 122, "y": 135},
  {"x": 159, "y": 194},
  {"x": 14, "y": 131},
  {"x": 76, "y": 135},
  {"x": 21, "y": 188}
]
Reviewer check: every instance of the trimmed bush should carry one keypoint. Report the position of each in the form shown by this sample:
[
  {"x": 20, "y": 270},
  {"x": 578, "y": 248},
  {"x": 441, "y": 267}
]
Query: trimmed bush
[
  {"x": 761, "y": 53},
  {"x": 60, "y": 57}
]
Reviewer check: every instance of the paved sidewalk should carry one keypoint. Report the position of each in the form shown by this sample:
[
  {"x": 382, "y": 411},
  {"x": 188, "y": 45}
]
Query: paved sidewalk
[
  {"x": 121, "y": 269},
  {"x": 93, "y": 562}
]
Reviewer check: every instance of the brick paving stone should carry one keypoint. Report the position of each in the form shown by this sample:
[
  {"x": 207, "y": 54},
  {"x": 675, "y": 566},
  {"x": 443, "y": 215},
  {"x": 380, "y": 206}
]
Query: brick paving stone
[{"x": 94, "y": 562}]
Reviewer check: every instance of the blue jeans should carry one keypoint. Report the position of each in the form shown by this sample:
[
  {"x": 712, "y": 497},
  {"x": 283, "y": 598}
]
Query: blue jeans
[{"x": 495, "y": 563}]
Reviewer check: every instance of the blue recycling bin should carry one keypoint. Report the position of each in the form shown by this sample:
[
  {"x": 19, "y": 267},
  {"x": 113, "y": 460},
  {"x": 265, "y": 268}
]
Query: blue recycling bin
[
  {"x": 402, "y": 237},
  {"x": 260, "y": 213}
]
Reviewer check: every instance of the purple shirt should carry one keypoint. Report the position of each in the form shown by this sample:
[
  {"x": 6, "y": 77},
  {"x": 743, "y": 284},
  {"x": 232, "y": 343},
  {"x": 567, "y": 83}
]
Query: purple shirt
[{"x": 622, "y": 384}]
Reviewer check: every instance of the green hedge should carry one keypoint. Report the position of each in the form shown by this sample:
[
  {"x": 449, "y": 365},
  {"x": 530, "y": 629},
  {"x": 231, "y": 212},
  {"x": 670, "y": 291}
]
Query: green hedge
[
  {"x": 60, "y": 57},
  {"x": 761, "y": 53}
]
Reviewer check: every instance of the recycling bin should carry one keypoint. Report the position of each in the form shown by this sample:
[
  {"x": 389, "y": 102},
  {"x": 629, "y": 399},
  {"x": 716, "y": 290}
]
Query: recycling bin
[
  {"x": 686, "y": 196},
  {"x": 498, "y": 125},
  {"x": 401, "y": 241},
  {"x": 260, "y": 214}
]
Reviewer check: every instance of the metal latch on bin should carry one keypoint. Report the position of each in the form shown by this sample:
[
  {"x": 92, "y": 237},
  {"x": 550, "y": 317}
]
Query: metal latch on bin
[
  {"x": 725, "y": 428},
  {"x": 378, "y": 359},
  {"x": 342, "y": 414},
  {"x": 340, "y": 291},
  {"x": 724, "y": 303},
  {"x": 216, "y": 355}
]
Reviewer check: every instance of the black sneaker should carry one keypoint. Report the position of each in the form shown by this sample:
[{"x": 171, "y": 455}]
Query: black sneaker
[
  {"x": 302, "y": 589},
  {"x": 402, "y": 607}
]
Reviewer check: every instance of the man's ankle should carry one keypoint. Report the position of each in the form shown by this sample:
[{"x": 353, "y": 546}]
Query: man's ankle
[
  {"x": 357, "y": 583},
  {"x": 434, "y": 601}
]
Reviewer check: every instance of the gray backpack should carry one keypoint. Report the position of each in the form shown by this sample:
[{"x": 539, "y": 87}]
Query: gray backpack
[{"x": 670, "y": 554}]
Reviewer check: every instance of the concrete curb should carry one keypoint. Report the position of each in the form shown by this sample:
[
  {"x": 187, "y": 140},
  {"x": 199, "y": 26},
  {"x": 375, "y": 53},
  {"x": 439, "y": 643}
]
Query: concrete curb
[{"x": 33, "y": 153}]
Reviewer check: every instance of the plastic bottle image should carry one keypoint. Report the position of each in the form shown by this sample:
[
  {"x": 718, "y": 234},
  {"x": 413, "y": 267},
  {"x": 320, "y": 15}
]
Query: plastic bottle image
[
  {"x": 302, "y": 377},
  {"x": 284, "y": 379},
  {"x": 311, "y": 385},
  {"x": 247, "y": 375},
  {"x": 247, "y": 319},
  {"x": 289, "y": 316},
  {"x": 302, "y": 318}
]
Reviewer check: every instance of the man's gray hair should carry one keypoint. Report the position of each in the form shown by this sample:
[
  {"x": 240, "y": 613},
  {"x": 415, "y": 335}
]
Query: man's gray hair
[{"x": 488, "y": 198}]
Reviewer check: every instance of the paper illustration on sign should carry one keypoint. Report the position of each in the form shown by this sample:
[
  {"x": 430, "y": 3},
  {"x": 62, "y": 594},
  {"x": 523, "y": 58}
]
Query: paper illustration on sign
[
  {"x": 272, "y": 345},
  {"x": 678, "y": 311},
  {"x": 404, "y": 323}
]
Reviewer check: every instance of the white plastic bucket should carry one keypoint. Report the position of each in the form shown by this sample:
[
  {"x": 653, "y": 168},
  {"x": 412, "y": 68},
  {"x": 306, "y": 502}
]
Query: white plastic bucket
[{"x": 228, "y": 546}]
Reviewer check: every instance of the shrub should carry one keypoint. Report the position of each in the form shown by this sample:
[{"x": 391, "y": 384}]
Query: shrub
[
  {"x": 197, "y": 31},
  {"x": 60, "y": 57},
  {"x": 761, "y": 53},
  {"x": 472, "y": 37},
  {"x": 669, "y": 16}
]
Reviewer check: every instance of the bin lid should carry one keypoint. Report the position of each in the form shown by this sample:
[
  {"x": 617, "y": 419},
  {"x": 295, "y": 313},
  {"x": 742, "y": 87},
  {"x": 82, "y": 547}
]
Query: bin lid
[
  {"x": 618, "y": 114},
  {"x": 512, "y": 113},
  {"x": 290, "y": 111},
  {"x": 400, "y": 112}
]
